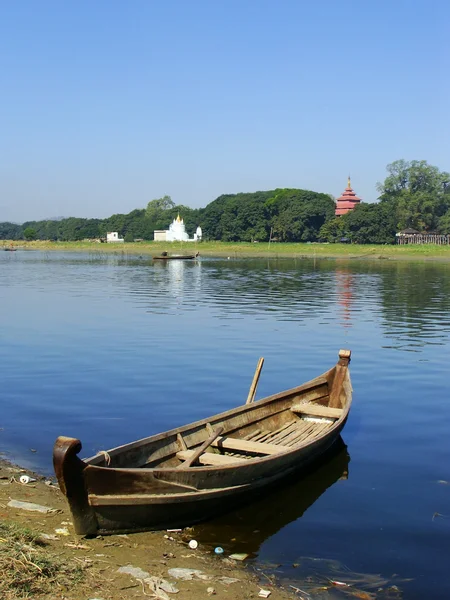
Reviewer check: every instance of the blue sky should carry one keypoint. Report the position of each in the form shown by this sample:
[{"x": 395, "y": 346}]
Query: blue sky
[{"x": 108, "y": 104}]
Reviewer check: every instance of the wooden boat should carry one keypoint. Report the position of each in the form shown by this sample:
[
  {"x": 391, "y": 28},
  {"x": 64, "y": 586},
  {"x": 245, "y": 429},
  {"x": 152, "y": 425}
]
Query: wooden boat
[
  {"x": 10, "y": 249},
  {"x": 165, "y": 256},
  {"x": 194, "y": 472}
]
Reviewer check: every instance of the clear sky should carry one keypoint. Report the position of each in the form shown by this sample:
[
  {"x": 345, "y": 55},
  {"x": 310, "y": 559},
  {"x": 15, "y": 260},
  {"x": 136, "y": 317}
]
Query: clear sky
[{"x": 108, "y": 104}]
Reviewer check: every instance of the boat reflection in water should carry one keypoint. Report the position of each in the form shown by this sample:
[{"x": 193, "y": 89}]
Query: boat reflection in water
[{"x": 248, "y": 527}]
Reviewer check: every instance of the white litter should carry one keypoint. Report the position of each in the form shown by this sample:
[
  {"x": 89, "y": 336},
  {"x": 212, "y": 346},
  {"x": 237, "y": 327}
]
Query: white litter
[
  {"x": 48, "y": 536},
  {"x": 26, "y": 479},
  {"x": 133, "y": 571},
  {"x": 188, "y": 574},
  {"x": 160, "y": 587},
  {"x": 31, "y": 506}
]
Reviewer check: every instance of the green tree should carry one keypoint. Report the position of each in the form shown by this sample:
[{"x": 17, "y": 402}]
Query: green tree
[
  {"x": 10, "y": 231},
  {"x": 417, "y": 192},
  {"x": 29, "y": 233},
  {"x": 370, "y": 224},
  {"x": 158, "y": 206},
  {"x": 298, "y": 215},
  {"x": 444, "y": 223},
  {"x": 236, "y": 217},
  {"x": 332, "y": 230}
]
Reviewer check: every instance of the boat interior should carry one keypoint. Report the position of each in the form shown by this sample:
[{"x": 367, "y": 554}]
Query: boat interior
[{"x": 269, "y": 426}]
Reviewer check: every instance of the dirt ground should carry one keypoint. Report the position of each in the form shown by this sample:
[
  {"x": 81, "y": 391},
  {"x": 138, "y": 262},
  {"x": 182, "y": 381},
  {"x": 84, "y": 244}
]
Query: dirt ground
[{"x": 153, "y": 552}]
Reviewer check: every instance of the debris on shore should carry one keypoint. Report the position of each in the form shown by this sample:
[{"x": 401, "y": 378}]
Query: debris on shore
[{"x": 42, "y": 557}]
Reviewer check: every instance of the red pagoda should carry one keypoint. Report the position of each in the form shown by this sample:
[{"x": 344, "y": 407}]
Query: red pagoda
[{"x": 347, "y": 201}]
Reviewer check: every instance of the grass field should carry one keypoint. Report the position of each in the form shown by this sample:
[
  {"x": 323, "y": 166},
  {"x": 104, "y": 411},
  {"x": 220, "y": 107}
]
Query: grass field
[{"x": 275, "y": 250}]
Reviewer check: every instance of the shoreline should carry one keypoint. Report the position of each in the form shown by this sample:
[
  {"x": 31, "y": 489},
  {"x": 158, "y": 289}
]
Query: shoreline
[
  {"x": 129, "y": 566},
  {"x": 150, "y": 554},
  {"x": 311, "y": 251}
]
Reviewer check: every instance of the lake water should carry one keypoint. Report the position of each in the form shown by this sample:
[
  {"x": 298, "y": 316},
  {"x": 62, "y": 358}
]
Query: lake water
[{"x": 111, "y": 348}]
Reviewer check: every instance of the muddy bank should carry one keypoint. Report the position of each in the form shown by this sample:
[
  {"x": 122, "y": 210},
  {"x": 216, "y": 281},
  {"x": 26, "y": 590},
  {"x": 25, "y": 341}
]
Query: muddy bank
[{"x": 148, "y": 561}]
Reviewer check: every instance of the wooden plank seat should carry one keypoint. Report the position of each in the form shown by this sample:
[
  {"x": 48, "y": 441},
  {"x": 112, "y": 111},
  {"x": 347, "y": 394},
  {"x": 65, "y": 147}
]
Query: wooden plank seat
[
  {"x": 233, "y": 444},
  {"x": 210, "y": 458},
  {"x": 316, "y": 410},
  {"x": 228, "y": 443}
]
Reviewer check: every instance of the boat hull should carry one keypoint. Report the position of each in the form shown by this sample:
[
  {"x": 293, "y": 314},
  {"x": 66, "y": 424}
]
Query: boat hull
[
  {"x": 146, "y": 512},
  {"x": 151, "y": 483}
]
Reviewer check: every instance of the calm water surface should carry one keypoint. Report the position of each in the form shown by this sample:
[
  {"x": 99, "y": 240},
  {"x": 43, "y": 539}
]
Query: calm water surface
[{"x": 113, "y": 348}]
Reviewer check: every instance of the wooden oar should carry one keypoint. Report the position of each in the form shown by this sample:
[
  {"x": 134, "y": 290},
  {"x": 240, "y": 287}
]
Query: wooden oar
[
  {"x": 252, "y": 391},
  {"x": 190, "y": 461}
]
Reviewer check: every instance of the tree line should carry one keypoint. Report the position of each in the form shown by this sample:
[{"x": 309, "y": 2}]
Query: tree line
[{"x": 414, "y": 195}]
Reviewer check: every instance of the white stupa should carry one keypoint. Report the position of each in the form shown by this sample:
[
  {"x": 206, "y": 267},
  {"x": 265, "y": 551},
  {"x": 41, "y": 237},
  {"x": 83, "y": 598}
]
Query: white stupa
[{"x": 177, "y": 233}]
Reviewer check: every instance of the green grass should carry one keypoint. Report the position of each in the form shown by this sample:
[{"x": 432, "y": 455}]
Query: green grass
[
  {"x": 243, "y": 249},
  {"x": 28, "y": 569}
]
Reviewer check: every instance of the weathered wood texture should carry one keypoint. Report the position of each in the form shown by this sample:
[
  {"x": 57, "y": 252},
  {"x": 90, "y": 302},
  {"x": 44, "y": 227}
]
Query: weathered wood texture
[
  {"x": 317, "y": 410},
  {"x": 210, "y": 458},
  {"x": 196, "y": 454},
  {"x": 188, "y": 473},
  {"x": 227, "y": 443},
  {"x": 252, "y": 391}
]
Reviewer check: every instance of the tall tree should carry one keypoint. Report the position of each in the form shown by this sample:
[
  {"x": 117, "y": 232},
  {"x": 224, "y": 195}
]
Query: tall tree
[
  {"x": 332, "y": 230},
  {"x": 10, "y": 231},
  {"x": 157, "y": 206},
  {"x": 298, "y": 215},
  {"x": 370, "y": 224},
  {"x": 417, "y": 192},
  {"x": 29, "y": 233}
]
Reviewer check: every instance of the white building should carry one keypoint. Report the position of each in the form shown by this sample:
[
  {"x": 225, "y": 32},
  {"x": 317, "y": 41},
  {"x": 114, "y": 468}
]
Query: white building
[
  {"x": 113, "y": 236},
  {"x": 176, "y": 233}
]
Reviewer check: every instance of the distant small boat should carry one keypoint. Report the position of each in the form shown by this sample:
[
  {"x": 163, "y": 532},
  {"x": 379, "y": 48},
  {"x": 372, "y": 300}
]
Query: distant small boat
[
  {"x": 193, "y": 472},
  {"x": 165, "y": 256},
  {"x": 9, "y": 249}
]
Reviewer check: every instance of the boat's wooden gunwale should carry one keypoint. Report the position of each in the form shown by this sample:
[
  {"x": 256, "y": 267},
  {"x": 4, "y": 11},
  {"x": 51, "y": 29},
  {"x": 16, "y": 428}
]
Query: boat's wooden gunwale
[
  {"x": 287, "y": 453},
  {"x": 130, "y": 481},
  {"x": 217, "y": 419},
  {"x": 233, "y": 466},
  {"x": 189, "y": 496}
]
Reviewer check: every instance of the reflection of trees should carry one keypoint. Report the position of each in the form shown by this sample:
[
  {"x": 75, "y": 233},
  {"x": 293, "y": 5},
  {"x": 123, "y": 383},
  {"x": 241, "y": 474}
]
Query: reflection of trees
[
  {"x": 252, "y": 524},
  {"x": 415, "y": 303},
  {"x": 411, "y": 300},
  {"x": 295, "y": 289}
]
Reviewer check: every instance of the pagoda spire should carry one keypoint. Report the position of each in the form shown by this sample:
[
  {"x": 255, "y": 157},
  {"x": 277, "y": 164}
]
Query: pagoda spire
[{"x": 347, "y": 201}]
